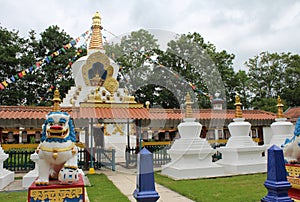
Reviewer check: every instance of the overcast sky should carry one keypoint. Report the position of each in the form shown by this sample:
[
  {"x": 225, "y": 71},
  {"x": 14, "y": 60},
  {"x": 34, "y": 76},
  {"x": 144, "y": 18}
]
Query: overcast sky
[{"x": 244, "y": 28}]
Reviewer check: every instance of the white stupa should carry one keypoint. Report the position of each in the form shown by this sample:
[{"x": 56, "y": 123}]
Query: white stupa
[
  {"x": 241, "y": 155},
  {"x": 191, "y": 156},
  {"x": 281, "y": 128},
  {"x": 96, "y": 86},
  {"x": 6, "y": 176}
]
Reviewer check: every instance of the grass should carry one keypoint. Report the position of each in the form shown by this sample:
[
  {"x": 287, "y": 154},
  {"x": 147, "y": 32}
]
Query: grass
[
  {"x": 16, "y": 196},
  {"x": 102, "y": 189},
  {"x": 246, "y": 188}
]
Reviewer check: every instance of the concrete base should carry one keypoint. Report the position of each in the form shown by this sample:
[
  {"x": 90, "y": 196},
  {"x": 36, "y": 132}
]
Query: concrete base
[
  {"x": 179, "y": 173},
  {"x": 6, "y": 177},
  {"x": 29, "y": 178},
  {"x": 243, "y": 160}
]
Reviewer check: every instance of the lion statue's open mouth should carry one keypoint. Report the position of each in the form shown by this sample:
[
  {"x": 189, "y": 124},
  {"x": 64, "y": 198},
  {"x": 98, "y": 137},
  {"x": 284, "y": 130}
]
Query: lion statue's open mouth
[{"x": 57, "y": 131}]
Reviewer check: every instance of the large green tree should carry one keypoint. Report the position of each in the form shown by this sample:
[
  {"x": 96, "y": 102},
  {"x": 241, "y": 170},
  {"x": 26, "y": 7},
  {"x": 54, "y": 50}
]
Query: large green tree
[
  {"x": 188, "y": 61},
  {"x": 36, "y": 87},
  {"x": 271, "y": 75},
  {"x": 12, "y": 54},
  {"x": 199, "y": 63}
]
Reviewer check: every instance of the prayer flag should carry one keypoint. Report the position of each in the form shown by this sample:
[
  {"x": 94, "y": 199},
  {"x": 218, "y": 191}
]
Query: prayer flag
[{"x": 4, "y": 83}]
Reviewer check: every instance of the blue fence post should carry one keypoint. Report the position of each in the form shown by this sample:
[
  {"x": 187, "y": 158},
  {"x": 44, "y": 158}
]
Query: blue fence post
[
  {"x": 113, "y": 160},
  {"x": 276, "y": 182},
  {"x": 145, "y": 187}
]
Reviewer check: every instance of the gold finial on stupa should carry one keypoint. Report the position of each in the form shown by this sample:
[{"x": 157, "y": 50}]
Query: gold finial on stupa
[
  {"x": 188, "y": 106},
  {"x": 238, "y": 107},
  {"x": 279, "y": 108},
  {"x": 96, "y": 39},
  {"x": 56, "y": 100}
]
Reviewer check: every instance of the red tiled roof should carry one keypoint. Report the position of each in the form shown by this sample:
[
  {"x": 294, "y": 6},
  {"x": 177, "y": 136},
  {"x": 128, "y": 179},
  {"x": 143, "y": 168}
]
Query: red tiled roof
[
  {"x": 293, "y": 113},
  {"x": 26, "y": 112}
]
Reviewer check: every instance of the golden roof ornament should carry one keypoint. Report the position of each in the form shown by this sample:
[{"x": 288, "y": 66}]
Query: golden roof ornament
[
  {"x": 238, "y": 107},
  {"x": 279, "y": 108},
  {"x": 56, "y": 100},
  {"x": 188, "y": 106},
  {"x": 96, "y": 39}
]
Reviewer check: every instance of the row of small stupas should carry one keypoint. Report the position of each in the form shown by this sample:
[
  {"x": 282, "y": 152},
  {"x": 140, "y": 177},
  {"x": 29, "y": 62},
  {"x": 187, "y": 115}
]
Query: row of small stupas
[{"x": 96, "y": 94}]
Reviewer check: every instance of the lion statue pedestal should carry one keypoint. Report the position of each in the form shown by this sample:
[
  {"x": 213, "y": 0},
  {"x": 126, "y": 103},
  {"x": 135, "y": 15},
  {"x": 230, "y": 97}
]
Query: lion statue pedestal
[
  {"x": 291, "y": 151},
  {"x": 59, "y": 179}
]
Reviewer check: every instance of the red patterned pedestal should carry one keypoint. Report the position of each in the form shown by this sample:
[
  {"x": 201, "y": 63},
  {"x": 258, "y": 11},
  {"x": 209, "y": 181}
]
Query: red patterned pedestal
[
  {"x": 56, "y": 192},
  {"x": 293, "y": 176}
]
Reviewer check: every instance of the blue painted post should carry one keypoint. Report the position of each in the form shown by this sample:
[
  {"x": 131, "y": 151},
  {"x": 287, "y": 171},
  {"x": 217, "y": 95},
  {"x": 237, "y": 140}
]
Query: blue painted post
[
  {"x": 276, "y": 182},
  {"x": 145, "y": 187}
]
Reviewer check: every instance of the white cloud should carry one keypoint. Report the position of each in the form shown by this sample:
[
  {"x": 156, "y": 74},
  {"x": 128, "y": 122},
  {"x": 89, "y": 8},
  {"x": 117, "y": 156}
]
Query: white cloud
[{"x": 244, "y": 28}]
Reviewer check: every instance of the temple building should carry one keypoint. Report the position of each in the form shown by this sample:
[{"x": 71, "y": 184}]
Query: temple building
[{"x": 100, "y": 107}]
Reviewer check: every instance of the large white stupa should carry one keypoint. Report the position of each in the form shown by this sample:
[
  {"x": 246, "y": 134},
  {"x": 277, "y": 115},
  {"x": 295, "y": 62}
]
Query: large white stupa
[{"x": 96, "y": 86}]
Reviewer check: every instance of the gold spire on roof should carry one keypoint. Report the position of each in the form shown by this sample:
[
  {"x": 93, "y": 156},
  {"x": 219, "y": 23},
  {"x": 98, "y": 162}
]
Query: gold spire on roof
[
  {"x": 238, "y": 107},
  {"x": 279, "y": 108},
  {"x": 96, "y": 39},
  {"x": 56, "y": 100},
  {"x": 188, "y": 106}
]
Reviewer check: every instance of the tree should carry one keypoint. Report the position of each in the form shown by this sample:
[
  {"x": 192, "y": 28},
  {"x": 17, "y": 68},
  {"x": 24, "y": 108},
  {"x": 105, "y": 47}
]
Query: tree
[
  {"x": 12, "y": 51},
  {"x": 199, "y": 63},
  {"x": 21, "y": 54},
  {"x": 272, "y": 75},
  {"x": 188, "y": 60},
  {"x": 242, "y": 82},
  {"x": 291, "y": 92}
]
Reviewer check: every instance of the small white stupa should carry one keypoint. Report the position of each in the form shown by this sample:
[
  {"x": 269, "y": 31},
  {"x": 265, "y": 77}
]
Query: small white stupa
[
  {"x": 281, "y": 129},
  {"x": 6, "y": 176},
  {"x": 191, "y": 156},
  {"x": 241, "y": 155}
]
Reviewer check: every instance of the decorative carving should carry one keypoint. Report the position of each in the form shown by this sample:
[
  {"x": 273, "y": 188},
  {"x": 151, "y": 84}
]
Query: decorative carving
[
  {"x": 58, "y": 195},
  {"x": 110, "y": 83},
  {"x": 98, "y": 58}
]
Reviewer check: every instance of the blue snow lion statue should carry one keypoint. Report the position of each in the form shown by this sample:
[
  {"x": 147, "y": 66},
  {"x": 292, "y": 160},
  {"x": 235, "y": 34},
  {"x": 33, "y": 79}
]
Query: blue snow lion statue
[
  {"x": 57, "y": 150},
  {"x": 291, "y": 147}
]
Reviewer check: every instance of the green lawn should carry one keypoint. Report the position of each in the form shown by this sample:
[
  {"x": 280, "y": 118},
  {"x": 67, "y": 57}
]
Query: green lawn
[
  {"x": 18, "y": 196},
  {"x": 243, "y": 188},
  {"x": 102, "y": 189}
]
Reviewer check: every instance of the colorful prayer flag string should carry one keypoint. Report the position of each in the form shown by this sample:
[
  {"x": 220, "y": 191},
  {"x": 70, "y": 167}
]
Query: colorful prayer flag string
[{"x": 46, "y": 60}]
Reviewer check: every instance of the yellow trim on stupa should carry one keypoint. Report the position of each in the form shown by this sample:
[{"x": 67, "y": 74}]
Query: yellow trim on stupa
[
  {"x": 56, "y": 101},
  {"x": 238, "y": 107},
  {"x": 188, "y": 109},
  {"x": 279, "y": 108},
  {"x": 96, "y": 39}
]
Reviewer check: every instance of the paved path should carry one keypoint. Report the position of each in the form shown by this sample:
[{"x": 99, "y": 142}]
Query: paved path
[{"x": 126, "y": 183}]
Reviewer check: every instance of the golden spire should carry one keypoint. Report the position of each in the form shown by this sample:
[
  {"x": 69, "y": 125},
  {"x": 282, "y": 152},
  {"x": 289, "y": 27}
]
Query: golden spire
[
  {"x": 96, "y": 39},
  {"x": 56, "y": 101},
  {"x": 238, "y": 107},
  {"x": 188, "y": 105},
  {"x": 279, "y": 108}
]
